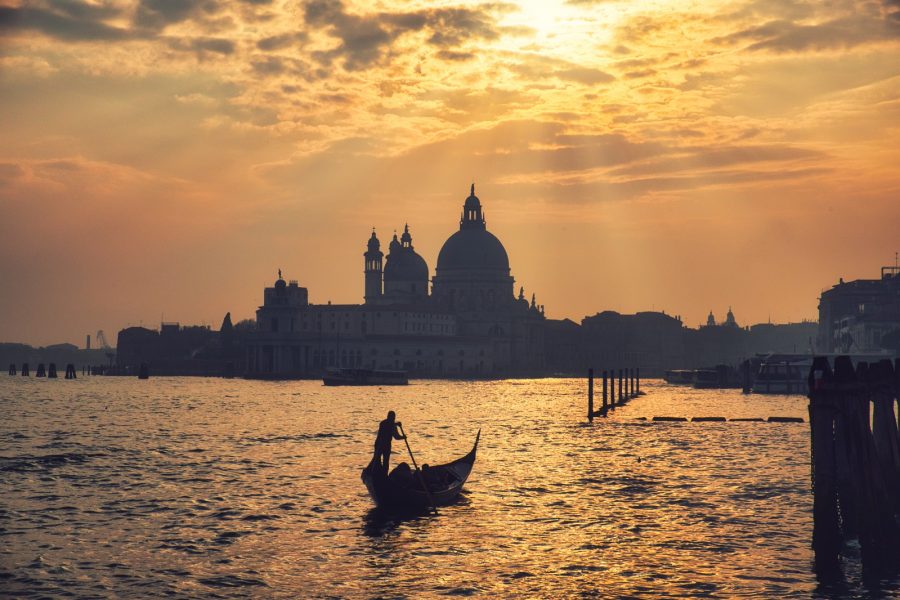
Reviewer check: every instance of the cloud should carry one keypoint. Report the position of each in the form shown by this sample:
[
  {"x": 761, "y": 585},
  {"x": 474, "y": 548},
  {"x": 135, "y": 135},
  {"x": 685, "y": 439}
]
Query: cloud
[
  {"x": 203, "y": 46},
  {"x": 158, "y": 14},
  {"x": 282, "y": 40},
  {"x": 783, "y": 35},
  {"x": 68, "y": 20},
  {"x": 366, "y": 38},
  {"x": 536, "y": 67}
]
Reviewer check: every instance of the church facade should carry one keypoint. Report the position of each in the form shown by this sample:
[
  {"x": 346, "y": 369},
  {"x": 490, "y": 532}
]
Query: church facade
[{"x": 466, "y": 321}]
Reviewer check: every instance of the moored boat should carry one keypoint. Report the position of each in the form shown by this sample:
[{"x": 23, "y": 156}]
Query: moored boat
[
  {"x": 403, "y": 488},
  {"x": 783, "y": 374},
  {"x": 679, "y": 376},
  {"x": 364, "y": 377}
]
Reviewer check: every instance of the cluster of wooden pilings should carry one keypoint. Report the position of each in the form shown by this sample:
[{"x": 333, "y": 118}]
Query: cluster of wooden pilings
[
  {"x": 49, "y": 371},
  {"x": 629, "y": 383},
  {"x": 855, "y": 460}
]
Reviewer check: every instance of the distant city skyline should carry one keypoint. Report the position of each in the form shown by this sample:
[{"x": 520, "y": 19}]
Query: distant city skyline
[{"x": 167, "y": 160}]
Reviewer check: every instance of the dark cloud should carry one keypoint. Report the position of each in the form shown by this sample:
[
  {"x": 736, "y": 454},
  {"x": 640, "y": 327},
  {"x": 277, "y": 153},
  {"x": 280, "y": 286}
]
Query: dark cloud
[
  {"x": 68, "y": 20},
  {"x": 455, "y": 55},
  {"x": 158, "y": 14},
  {"x": 203, "y": 46},
  {"x": 281, "y": 41},
  {"x": 844, "y": 32},
  {"x": 365, "y": 39}
]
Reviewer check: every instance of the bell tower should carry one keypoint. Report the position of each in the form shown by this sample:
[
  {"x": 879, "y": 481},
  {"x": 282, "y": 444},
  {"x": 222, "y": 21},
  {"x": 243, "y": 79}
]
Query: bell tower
[{"x": 374, "y": 262}]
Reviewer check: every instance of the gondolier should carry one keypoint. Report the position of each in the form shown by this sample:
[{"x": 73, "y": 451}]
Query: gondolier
[{"x": 388, "y": 429}]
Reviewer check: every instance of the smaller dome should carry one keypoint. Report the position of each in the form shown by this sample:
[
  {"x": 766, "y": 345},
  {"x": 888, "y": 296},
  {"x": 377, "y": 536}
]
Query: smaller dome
[
  {"x": 280, "y": 283},
  {"x": 405, "y": 265}
]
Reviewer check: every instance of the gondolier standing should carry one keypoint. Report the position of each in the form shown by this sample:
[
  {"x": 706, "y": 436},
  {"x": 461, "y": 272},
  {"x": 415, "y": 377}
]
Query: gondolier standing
[{"x": 387, "y": 430}]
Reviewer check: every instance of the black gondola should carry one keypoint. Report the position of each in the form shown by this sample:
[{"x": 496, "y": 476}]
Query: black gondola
[{"x": 402, "y": 489}]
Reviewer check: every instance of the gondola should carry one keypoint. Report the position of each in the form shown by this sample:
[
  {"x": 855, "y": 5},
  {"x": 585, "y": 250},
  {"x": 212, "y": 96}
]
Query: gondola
[{"x": 402, "y": 490}]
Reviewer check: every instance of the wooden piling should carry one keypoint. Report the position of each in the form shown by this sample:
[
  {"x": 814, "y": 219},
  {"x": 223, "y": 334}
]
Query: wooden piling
[
  {"x": 884, "y": 428},
  {"x": 25, "y": 372},
  {"x": 70, "y": 371},
  {"x": 605, "y": 403},
  {"x": 12, "y": 369},
  {"x": 621, "y": 386},
  {"x": 51, "y": 372},
  {"x": 612, "y": 388},
  {"x": 826, "y": 528},
  {"x": 590, "y": 395},
  {"x": 638, "y": 380},
  {"x": 41, "y": 371},
  {"x": 144, "y": 372}
]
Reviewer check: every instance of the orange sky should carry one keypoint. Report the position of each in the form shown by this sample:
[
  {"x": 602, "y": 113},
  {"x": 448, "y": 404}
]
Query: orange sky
[{"x": 164, "y": 159}]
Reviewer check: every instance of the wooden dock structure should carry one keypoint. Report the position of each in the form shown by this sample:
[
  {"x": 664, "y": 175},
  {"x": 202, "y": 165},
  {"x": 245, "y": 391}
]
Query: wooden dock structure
[{"x": 855, "y": 460}]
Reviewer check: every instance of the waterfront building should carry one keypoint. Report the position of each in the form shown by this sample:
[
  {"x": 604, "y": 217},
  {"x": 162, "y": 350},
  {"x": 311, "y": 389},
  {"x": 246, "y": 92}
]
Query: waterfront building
[
  {"x": 469, "y": 324},
  {"x": 857, "y": 316}
]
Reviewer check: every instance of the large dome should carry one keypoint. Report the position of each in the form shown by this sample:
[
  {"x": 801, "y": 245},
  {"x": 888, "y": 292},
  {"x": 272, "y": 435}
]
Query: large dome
[{"x": 473, "y": 250}]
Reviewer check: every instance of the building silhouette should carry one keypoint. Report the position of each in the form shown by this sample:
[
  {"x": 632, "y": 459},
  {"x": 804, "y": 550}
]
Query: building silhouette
[
  {"x": 861, "y": 315},
  {"x": 468, "y": 324}
]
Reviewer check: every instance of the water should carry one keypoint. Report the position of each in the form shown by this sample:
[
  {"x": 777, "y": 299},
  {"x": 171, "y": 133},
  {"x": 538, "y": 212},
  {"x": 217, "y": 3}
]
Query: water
[{"x": 228, "y": 488}]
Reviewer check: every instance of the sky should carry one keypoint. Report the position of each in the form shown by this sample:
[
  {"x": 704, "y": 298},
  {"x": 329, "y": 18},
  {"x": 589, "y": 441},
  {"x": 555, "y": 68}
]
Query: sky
[{"x": 162, "y": 159}]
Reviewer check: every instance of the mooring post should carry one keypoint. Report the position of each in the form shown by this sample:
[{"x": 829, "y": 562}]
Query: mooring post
[
  {"x": 25, "y": 372},
  {"x": 826, "y": 529},
  {"x": 591, "y": 395},
  {"x": 637, "y": 378},
  {"x": 612, "y": 388},
  {"x": 884, "y": 425},
  {"x": 621, "y": 381},
  {"x": 144, "y": 372},
  {"x": 51, "y": 372},
  {"x": 878, "y": 530},
  {"x": 12, "y": 369},
  {"x": 41, "y": 371},
  {"x": 605, "y": 403},
  {"x": 633, "y": 390},
  {"x": 70, "y": 371}
]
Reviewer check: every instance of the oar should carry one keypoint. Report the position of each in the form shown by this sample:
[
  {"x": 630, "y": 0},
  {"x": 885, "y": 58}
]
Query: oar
[{"x": 421, "y": 475}]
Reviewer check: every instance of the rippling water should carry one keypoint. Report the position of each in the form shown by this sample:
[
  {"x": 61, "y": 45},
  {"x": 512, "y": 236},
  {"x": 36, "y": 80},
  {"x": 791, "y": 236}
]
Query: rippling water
[{"x": 231, "y": 488}]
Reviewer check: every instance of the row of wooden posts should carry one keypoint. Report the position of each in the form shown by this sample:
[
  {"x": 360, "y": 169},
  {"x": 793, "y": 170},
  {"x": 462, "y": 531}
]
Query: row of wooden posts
[
  {"x": 50, "y": 371},
  {"x": 855, "y": 460},
  {"x": 629, "y": 381}
]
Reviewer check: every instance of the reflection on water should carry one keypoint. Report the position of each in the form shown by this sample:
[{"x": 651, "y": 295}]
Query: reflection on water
[{"x": 187, "y": 487}]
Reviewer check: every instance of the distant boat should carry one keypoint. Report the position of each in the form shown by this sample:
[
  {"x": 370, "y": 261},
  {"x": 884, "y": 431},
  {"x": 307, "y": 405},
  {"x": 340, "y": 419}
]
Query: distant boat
[
  {"x": 679, "y": 376},
  {"x": 402, "y": 489},
  {"x": 364, "y": 377},
  {"x": 718, "y": 377},
  {"x": 783, "y": 374}
]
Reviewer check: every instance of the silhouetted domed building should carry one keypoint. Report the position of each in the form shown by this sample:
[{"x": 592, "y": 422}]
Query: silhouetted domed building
[
  {"x": 471, "y": 323},
  {"x": 473, "y": 267}
]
